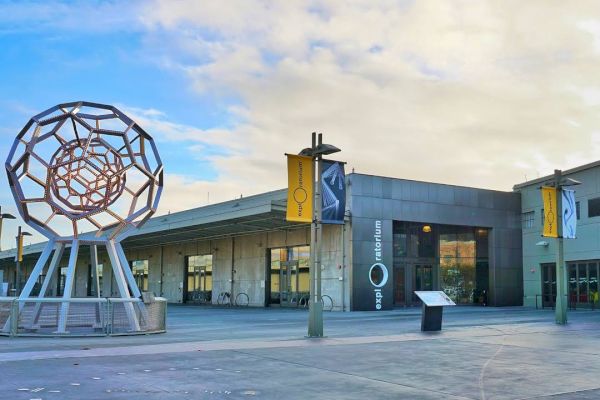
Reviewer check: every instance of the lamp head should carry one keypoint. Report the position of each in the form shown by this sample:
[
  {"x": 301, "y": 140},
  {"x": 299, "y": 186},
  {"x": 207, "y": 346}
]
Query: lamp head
[
  {"x": 569, "y": 182},
  {"x": 7, "y": 216},
  {"x": 308, "y": 152},
  {"x": 324, "y": 149}
]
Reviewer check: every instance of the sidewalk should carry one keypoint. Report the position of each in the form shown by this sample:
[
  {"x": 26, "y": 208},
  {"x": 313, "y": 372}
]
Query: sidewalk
[{"x": 482, "y": 353}]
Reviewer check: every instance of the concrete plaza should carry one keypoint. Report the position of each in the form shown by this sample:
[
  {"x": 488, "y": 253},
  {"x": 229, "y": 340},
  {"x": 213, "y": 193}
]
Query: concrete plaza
[{"x": 218, "y": 353}]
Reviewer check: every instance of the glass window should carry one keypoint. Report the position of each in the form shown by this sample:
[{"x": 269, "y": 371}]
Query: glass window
[
  {"x": 482, "y": 243},
  {"x": 457, "y": 254},
  {"x": 99, "y": 270},
  {"x": 426, "y": 237},
  {"x": 594, "y": 207},
  {"x": 527, "y": 219},
  {"x": 289, "y": 274},
  {"x": 199, "y": 278},
  {"x": 583, "y": 283},
  {"x": 400, "y": 248},
  {"x": 140, "y": 273},
  {"x": 543, "y": 216},
  {"x": 573, "y": 283},
  {"x": 593, "y": 278}
]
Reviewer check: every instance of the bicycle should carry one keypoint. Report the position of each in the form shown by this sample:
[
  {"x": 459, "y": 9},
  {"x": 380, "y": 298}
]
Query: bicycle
[
  {"x": 242, "y": 300},
  {"x": 224, "y": 299},
  {"x": 326, "y": 301}
]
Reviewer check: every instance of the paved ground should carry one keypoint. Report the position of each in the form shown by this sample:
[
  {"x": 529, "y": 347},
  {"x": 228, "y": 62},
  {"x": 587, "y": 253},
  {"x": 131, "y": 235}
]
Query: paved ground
[{"x": 212, "y": 353}]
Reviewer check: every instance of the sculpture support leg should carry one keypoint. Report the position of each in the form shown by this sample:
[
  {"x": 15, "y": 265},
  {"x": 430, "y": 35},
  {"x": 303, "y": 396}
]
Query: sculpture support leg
[
  {"x": 58, "y": 253},
  {"x": 118, "y": 269},
  {"x": 37, "y": 270},
  {"x": 68, "y": 291},
  {"x": 94, "y": 265},
  {"x": 135, "y": 290},
  {"x": 95, "y": 280}
]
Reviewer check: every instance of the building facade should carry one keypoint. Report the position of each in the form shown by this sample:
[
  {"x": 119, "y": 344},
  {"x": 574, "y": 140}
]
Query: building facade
[
  {"x": 582, "y": 255},
  {"x": 399, "y": 236}
]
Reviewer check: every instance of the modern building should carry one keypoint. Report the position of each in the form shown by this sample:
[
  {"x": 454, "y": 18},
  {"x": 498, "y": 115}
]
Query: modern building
[
  {"x": 582, "y": 255},
  {"x": 399, "y": 236}
]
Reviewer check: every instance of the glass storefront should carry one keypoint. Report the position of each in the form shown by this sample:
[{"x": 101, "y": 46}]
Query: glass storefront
[
  {"x": 289, "y": 275},
  {"x": 440, "y": 257},
  {"x": 198, "y": 283},
  {"x": 140, "y": 273},
  {"x": 583, "y": 283}
]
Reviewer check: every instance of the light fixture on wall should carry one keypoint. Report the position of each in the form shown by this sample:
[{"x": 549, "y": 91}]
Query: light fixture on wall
[
  {"x": 542, "y": 243},
  {"x": 426, "y": 228}
]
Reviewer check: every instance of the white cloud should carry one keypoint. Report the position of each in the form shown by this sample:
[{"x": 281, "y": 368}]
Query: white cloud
[{"x": 472, "y": 93}]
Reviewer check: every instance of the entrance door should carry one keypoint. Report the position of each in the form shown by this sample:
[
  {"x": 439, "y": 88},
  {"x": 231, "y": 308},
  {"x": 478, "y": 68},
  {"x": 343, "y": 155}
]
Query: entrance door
[
  {"x": 548, "y": 285},
  {"x": 422, "y": 279},
  {"x": 288, "y": 282},
  {"x": 197, "y": 289},
  {"x": 288, "y": 275},
  {"x": 583, "y": 283},
  {"x": 399, "y": 286}
]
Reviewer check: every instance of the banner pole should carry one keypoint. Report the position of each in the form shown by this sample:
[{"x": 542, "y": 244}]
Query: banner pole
[{"x": 561, "y": 293}]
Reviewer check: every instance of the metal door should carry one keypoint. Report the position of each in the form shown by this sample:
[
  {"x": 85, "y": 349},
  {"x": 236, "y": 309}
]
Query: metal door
[
  {"x": 422, "y": 279},
  {"x": 288, "y": 282},
  {"x": 548, "y": 284}
]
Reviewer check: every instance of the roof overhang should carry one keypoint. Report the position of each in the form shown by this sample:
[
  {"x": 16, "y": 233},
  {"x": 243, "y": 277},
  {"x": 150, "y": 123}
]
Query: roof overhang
[{"x": 244, "y": 216}]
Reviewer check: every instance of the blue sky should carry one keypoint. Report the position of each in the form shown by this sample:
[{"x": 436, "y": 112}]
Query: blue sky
[{"x": 484, "y": 94}]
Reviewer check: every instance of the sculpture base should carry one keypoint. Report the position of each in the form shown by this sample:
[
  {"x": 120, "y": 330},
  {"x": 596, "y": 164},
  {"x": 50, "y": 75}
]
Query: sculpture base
[{"x": 127, "y": 309}]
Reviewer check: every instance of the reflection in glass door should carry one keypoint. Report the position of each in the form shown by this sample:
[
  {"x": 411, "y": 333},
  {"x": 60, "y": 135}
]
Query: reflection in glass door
[
  {"x": 198, "y": 285},
  {"x": 399, "y": 286},
  {"x": 423, "y": 279},
  {"x": 548, "y": 284},
  {"x": 583, "y": 283},
  {"x": 289, "y": 275}
]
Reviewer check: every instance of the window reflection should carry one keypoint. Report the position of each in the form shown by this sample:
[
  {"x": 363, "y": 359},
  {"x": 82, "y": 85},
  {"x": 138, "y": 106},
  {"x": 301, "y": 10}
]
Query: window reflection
[{"x": 459, "y": 253}]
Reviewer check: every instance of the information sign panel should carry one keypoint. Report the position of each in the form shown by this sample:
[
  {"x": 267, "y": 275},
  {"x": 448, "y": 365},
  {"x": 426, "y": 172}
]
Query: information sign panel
[{"x": 434, "y": 298}]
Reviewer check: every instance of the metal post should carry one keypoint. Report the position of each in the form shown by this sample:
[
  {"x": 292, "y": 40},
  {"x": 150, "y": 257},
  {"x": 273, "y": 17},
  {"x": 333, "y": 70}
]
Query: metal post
[
  {"x": 1, "y": 219},
  {"x": 315, "y": 317},
  {"x": 18, "y": 261},
  {"x": 561, "y": 293}
]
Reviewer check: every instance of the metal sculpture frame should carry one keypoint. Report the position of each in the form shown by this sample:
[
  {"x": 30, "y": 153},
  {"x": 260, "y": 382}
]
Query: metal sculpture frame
[{"x": 69, "y": 171}]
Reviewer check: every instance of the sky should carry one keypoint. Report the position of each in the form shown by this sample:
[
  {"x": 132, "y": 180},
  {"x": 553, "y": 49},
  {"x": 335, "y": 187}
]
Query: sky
[{"x": 475, "y": 93}]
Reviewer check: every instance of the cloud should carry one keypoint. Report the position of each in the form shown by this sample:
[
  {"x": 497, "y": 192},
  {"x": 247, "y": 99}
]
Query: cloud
[
  {"x": 470, "y": 93},
  {"x": 467, "y": 93}
]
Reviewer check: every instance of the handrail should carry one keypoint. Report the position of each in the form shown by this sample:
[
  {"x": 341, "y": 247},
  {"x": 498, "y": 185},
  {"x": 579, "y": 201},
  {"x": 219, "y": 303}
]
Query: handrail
[{"x": 95, "y": 316}]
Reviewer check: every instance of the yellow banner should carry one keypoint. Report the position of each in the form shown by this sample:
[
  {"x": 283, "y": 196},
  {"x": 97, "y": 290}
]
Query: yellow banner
[
  {"x": 20, "y": 249},
  {"x": 550, "y": 212},
  {"x": 300, "y": 188}
]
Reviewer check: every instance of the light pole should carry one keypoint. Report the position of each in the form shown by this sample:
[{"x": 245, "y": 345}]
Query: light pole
[
  {"x": 315, "y": 308},
  {"x": 19, "y": 258},
  {"x": 561, "y": 277},
  {"x": 2, "y": 217}
]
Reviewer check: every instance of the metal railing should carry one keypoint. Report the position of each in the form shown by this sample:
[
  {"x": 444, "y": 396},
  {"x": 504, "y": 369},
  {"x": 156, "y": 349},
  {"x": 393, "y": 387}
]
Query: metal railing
[{"x": 81, "y": 316}]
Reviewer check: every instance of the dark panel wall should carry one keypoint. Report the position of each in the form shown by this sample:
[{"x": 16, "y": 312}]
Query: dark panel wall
[
  {"x": 373, "y": 198},
  {"x": 372, "y": 246}
]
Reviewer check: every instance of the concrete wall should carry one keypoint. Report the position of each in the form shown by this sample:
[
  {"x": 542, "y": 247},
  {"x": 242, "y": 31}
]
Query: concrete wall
[
  {"x": 389, "y": 199},
  {"x": 242, "y": 258},
  {"x": 585, "y": 247}
]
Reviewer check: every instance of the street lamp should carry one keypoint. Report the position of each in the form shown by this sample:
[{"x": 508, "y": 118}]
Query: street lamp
[
  {"x": 19, "y": 258},
  {"x": 2, "y": 217},
  {"x": 315, "y": 310},
  {"x": 561, "y": 277}
]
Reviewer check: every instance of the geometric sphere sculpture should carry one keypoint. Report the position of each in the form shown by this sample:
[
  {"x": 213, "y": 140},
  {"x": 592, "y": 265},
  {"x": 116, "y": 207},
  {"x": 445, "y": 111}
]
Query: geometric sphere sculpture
[{"x": 84, "y": 166}]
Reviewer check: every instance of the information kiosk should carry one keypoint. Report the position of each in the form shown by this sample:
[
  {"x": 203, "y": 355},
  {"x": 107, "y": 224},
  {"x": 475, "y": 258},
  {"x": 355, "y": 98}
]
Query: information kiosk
[{"x": 433, "y": 306}]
